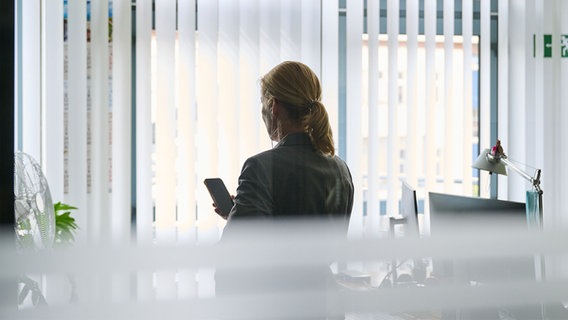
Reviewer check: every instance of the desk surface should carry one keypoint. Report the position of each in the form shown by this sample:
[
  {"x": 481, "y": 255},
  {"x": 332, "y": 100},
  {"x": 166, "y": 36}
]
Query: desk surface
[{"x": 396, "y": 316}]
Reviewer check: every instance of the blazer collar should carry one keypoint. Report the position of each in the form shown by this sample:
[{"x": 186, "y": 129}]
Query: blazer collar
[{"x": 298, "y": 138}]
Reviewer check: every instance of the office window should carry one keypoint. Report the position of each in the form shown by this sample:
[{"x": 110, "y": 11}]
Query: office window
[
  {"x": 452, "y": 112},
  {"x": 147, "y": 123}
]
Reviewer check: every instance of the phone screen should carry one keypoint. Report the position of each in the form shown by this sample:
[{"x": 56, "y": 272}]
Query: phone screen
[{"x": 220, "y": 195}]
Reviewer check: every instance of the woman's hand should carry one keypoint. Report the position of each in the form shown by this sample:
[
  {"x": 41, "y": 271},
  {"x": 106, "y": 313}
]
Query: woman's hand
[{"x": 219, "y": 211}]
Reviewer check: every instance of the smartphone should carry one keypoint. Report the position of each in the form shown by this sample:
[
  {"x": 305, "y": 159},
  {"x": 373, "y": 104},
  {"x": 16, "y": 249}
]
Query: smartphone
[{"x": 220, "y": 195}]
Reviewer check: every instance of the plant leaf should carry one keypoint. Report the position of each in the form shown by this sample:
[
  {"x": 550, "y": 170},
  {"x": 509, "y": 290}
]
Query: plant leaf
[
  {"x": 65, "y": 224},
  {"x": 63, "y": 206}
]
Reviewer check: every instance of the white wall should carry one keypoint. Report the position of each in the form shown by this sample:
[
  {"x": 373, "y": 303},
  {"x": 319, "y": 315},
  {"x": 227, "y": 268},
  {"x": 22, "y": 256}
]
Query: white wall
[{"x": 536, "y": 118}]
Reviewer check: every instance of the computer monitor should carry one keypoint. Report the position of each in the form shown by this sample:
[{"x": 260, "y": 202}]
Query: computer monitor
[
  {"x": 457, "y": 214},
  {"x": 454, "y": 213},
  {"x": 409, "y": 209}
]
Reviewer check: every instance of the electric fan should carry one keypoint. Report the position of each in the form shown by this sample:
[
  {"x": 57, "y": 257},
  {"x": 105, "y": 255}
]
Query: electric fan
[{"x": 35, "y": 216}]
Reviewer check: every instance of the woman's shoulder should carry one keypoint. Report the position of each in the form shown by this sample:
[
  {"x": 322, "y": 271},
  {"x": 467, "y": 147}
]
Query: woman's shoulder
[
  {"x": 261, "y": 161},
  {"x": 340, "y": 163},
  {"x": 261, "y": 156}
]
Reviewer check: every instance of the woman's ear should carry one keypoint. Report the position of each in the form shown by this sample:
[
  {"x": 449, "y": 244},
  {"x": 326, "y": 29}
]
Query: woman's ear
[{"x": 275, "y": 110}]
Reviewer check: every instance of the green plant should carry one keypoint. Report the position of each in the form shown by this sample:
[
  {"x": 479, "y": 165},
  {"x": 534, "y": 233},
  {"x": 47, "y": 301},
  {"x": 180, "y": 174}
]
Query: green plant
[
  {"x": 65, "y": 228},
  {"x": 65, "y": 225}
]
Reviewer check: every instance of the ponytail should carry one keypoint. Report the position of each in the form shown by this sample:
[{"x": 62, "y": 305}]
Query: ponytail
[
  {"x": 319, "y": 130},
  {"x": 298, "y": 88}
]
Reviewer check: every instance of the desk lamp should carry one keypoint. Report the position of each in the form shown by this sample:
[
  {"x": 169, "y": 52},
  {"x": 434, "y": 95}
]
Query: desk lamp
[{"x": 495, "y": 160}]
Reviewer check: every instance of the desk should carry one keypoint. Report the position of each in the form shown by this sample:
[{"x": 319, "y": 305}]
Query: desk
[
  {"x": 399, "y": 316},
  {"x": 360, "y": 282}
]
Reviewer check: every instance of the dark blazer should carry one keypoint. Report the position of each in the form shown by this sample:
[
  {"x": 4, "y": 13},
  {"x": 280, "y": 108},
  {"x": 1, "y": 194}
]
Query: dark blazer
[
  {"x": 293, "y": 180},
  {"x": 290, "y": 182}
]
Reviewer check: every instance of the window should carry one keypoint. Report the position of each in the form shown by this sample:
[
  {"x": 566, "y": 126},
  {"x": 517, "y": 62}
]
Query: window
[
  {"x": 192, "y": 112},
  {"x": 448, "y": 109}
]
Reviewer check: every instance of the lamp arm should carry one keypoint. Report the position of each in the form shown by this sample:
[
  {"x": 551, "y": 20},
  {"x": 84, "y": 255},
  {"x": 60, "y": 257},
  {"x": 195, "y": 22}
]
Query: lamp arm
[
  {"x": 497, "y": 155},
  {"x": 535, "y": 181},
  {"x": 517, "y": 170}
]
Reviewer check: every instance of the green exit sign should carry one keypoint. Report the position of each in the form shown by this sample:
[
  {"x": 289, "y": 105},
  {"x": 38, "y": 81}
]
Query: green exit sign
[
  {"x": 548, "y": 45},
  {"x": 564, "y": 46}
]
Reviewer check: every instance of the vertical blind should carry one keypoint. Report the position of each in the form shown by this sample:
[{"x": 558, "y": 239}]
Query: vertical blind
[
  {"x": 353, "y": 113},
  {"x": 128, "y": 119},
  {"x": 75, "y": 138},
  {"x": 194, "y": 88}
]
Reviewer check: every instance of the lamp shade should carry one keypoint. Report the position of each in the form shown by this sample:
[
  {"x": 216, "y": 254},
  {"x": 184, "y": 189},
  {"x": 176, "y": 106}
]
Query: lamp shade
[{"x": 484, "y": 162}]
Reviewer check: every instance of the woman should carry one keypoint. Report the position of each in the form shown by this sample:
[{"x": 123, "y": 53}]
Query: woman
[{"x": 301, "y": 178}]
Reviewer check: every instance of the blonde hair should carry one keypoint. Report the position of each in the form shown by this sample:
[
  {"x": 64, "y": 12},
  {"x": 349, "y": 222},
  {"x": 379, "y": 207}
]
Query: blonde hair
[{"x": 298, "y": 88}]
